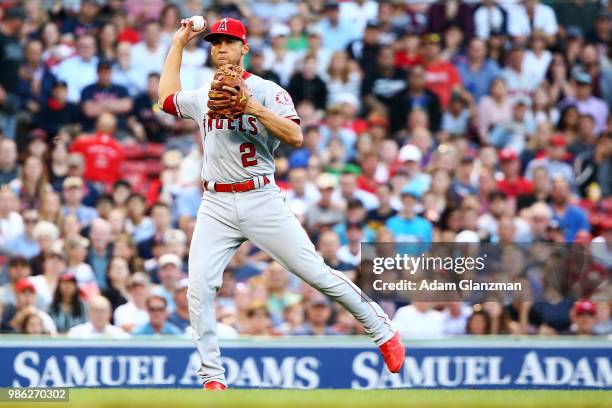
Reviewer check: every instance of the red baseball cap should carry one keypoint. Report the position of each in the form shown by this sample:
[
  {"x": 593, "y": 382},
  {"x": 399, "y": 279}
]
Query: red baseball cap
[
  {"x": 24, "y": 284},
  {"x": 558, "y": 140},
  {"x": 507, "y": 155},
  {"x": 228, "y": 26},
  {"x": 585, "y": 307}
]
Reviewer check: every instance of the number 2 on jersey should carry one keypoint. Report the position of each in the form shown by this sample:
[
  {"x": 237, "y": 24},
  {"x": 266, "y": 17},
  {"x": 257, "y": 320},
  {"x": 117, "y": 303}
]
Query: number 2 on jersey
[{"x": 248, "y": 154}]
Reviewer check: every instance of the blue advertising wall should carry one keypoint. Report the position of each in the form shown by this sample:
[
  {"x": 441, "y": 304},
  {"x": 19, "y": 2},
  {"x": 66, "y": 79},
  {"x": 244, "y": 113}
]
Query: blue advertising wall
[{"x": 341, "y": 363}]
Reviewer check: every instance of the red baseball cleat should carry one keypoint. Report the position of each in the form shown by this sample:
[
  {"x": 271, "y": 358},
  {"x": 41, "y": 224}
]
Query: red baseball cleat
[
  {"x": 394, "y": 353},
  {"x": 214, "y": 386}
]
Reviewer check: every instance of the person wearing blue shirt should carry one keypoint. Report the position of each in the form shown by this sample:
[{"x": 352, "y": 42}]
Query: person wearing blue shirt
[
  {"x": 157, "y": 308},
  {"x": 73, "y": 197},
  {"x": 477, "y": 71},
  {"x": 571, "y": 218},
  {"x": 407, "y": 226}
]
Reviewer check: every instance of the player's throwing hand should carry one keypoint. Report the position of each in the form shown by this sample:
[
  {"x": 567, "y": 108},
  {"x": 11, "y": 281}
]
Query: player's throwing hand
[{"x": 185, "y": 33}]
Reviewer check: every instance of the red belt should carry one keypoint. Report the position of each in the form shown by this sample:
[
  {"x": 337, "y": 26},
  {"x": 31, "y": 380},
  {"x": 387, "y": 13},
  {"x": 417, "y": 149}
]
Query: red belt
[{"x": 240, "y": 187}]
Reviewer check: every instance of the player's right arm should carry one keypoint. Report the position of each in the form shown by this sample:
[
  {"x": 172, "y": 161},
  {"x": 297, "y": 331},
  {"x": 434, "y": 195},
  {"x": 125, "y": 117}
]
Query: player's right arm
[{"x": 170, "y": 79}]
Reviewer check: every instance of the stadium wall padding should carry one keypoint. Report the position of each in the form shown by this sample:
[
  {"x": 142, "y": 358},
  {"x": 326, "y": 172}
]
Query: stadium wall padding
[{"x": 311, "y": 363}]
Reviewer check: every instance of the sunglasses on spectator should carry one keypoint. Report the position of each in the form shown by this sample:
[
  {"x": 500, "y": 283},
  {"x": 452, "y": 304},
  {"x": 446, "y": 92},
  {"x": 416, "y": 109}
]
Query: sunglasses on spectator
[
  {"x": 30, "y": 220},
  {"x": 157, "y": 309}
]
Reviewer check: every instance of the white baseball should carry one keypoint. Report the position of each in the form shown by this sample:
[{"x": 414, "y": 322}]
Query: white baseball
[{"x": 197, "y": 23}]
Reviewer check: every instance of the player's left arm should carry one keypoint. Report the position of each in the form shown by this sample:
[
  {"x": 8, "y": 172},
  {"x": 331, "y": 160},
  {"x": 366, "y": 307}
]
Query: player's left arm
[{"x": 284, "y": 129}]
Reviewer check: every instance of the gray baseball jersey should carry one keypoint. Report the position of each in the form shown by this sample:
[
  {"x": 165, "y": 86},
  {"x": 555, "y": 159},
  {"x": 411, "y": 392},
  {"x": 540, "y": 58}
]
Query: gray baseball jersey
[
  {"x": 239, "y": 149},
  {"x": 236, "y": 151}
]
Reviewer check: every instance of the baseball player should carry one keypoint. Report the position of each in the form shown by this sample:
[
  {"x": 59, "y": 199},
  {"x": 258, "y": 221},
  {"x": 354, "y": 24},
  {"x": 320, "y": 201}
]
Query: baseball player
[{"x": 241, "y": 201}]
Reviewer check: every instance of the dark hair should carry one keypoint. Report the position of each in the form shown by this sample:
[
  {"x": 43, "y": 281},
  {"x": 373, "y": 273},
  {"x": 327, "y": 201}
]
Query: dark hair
[
  {"x": 75, "y": 302},
  {"x": 156, "y": 296},
  {"x": 104, "y": 197},
  {"x": 562, "y": 117},
  {"x": 476, "y": 313},
  {"x": 26, "y": 320}
]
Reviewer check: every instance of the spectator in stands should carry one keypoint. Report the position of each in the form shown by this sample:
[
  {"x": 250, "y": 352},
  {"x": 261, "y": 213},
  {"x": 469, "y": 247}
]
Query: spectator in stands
[
  {"x": 419, "y": 320},
  {"x": 318, "y": 314},
  {"x": 32, "y": 324},
  {"x": 117, "y": 282},
  {"x": 98, "y": 324},
  {"x": 519, "y": 80},
  {"x": 146, "y": 122},
  {"x": 585, "y": 101},
  {"x": 157, "y": 307},
  {"x": 104, "y": 96},
  {"x": 8, "y": 161},
  {"x": 276, "y": 279},
  {"x": 25, "y": 245},
  {"x": 170, "y": 266},
  {"x": 32, "y": 183},
  {"x": 479, "y": 323},
  {"x": 350, "y": 253},
  {"x": 141, "y": 226},
  {"x": 259, "y": 321},
  {"x": 25, "y": 294},
  {"x": 125, "y": 73},
  {"x": 441, "y": 77},
  {"x": 365, "y": 50},
  {"x": 17, "y": 268},
  {"x": 54, "y": 266},
  {"x": 532, "y": 15},
  {"x": 100, "y": 251},
  {"x": 134, "y": 313},
  {"x": 67, "y": 309},
  {"x": 277, "y": 58},
  {"x": 73, "y": 199},
  {"x": 180, "y": 316},
  {"x": 336, "y": 33},
  {"x": 408, "y": 226},
  {"x": 149, "y": 54},
  {"x": 490, "y": 18},
  {"x": 583, "y": 318},
  {"x": 418, "y": 97},
  {"x": 477, "y": 71},
  {"x": 571, "y": 218},
  {"x": 456, "y": 315},
  {"x": 385, "y": 88},
  {"x": 75, "y": 248},
  {"x": 11, "y": 56},
  {"x": 161, "y": 218},
  {"x": 307, "y": 85},
  {"x": 79, "y": 70},
  {"x": 553, "y": 161},
  {"x": 256, "y": 65},
  {"x": 101, "y": 152}
]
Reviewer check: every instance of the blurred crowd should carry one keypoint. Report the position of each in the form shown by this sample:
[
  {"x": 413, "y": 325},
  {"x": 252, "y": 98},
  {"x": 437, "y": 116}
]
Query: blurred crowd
[{"x": 423, "y": 121}]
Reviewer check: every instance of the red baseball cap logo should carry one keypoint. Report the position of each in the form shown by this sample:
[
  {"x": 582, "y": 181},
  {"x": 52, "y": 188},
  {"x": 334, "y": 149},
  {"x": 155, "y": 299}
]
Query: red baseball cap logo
[{"x": 228, "y": 26}]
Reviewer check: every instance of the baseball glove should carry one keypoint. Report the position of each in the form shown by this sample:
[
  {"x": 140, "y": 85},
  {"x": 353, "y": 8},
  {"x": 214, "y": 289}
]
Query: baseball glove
[{"x": 224, "y": 104}]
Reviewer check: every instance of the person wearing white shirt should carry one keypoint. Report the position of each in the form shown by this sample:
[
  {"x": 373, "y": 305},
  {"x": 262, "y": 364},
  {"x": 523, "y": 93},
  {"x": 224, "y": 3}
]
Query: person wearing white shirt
[
  {"x": 532, "y": 15},
  {"x": 490, "y": 18},
  {"x": 358, "y": 12},
  {"x": 419, "y": 320},
  {"x": 456, "y": 315},
  {"x": 79, "y": 70},
  {"x": 149, "y": 54},
  {"x": 537, "y": 58},
  {"x": 98, "y": 325},
  {"x": 278, "y": 58},
  {"x": 11, "y": 223},
  {"x": 193, "y": 70},
  {"x": 125, "y": 73},
  {"x": 315, "y": 47},
  {"x": 134, "y": 313}
]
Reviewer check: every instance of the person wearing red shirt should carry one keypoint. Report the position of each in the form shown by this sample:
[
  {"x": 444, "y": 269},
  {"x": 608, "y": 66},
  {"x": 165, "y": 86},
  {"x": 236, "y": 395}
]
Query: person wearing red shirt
[
  {"x": 512, "y": 184},
  {"x": 366, "y": 180},
  {"x": 441, "y": 77},
  {"x": 102, "y": 153}
]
